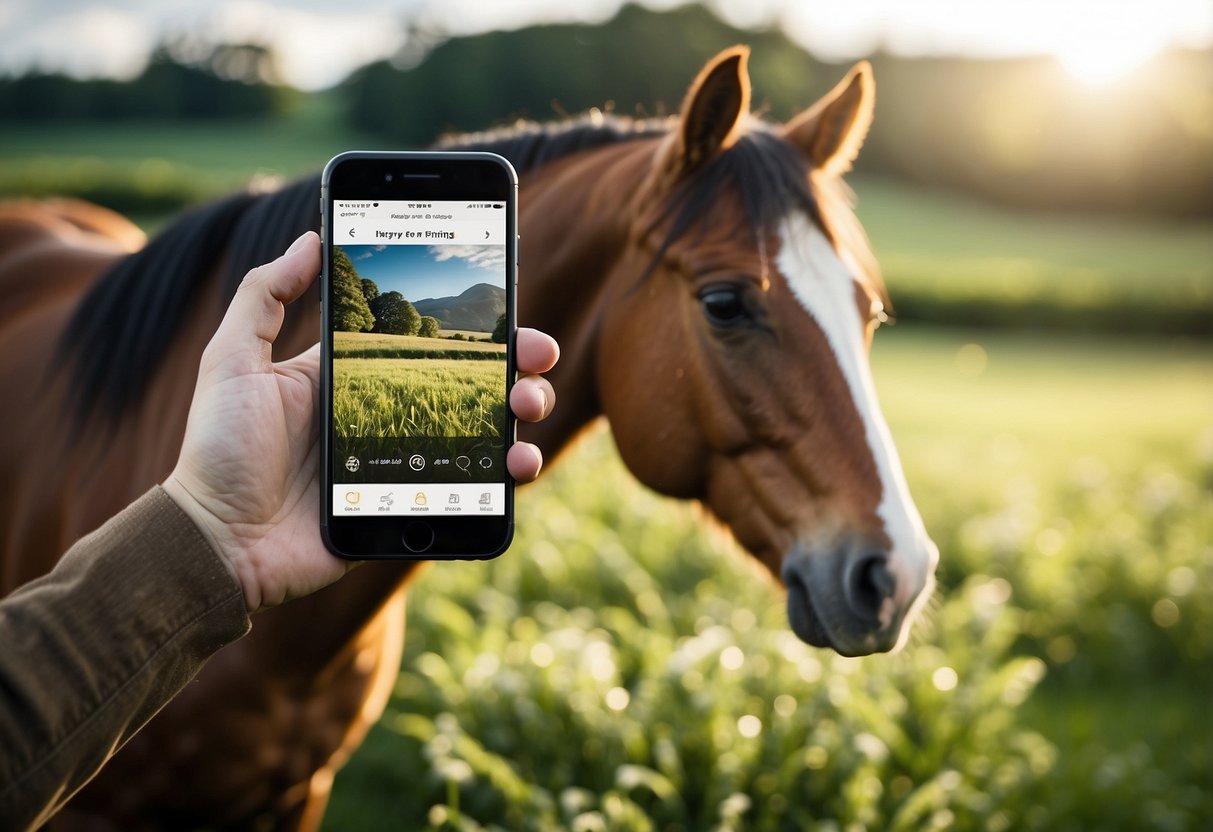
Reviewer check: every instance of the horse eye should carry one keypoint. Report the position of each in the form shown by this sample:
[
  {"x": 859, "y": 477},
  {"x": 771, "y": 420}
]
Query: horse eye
[{"x": 723, "y": 305}]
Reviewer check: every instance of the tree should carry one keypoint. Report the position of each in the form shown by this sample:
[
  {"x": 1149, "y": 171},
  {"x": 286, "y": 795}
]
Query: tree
[
  {"x": 350, "y": 310},
  {"x": 395, "y": 315},
  {"x": 499, "y": 334},
  {"x": 428, "y": 327},
  {"x": 370, "y": 291}
]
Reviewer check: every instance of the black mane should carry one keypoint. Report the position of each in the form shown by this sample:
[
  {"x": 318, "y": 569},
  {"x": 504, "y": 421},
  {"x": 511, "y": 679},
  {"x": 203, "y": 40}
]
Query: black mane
[
  {"x": 127, "y": 320},
  {"x": 529, "y": 145},
  {"x": 125, "y": 323},
  {"x": 765, "y": 172}
]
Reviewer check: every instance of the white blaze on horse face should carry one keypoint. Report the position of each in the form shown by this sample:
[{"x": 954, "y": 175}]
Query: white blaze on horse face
[{"x": 825, "y": 286}]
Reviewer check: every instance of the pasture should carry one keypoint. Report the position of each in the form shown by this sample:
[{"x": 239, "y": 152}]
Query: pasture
[
  {"x": 399, "y": 385},
  {"x": 625, "y": 667}
]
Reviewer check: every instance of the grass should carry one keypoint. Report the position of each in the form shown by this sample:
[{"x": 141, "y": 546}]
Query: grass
[
  {"x": 949, "y": 257},
  {"x": 625, "y": 667},
  {"x": 406, "y": 397},
  {"x": 225, "y": 154},
  {"x": 376, "y": 345}
]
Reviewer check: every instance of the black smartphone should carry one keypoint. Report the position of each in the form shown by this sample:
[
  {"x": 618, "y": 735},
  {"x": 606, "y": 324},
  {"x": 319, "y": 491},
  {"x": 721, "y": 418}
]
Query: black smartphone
[{"x": 417, "y": 293}]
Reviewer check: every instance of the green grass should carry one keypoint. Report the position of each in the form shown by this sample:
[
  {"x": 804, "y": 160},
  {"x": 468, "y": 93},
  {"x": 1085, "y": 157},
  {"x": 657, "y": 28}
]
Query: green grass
[
  {"x": 418, "y": 397},
  {"x": 223, "y": 153},
  {"x": 625, "y": 667},
  {"x": 376, "y": 345},
  {"x": 149, "y": 169},
  {"x": 953, "y": 258}
]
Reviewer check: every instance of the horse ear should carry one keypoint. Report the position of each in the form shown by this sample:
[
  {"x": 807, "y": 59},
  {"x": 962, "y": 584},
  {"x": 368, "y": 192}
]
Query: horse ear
[
  {"x": 831, "y": 132},
  {"x": 713, "y": 110}
]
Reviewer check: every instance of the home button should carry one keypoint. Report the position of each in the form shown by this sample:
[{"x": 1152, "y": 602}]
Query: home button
[{"x": 418, "y": 536}]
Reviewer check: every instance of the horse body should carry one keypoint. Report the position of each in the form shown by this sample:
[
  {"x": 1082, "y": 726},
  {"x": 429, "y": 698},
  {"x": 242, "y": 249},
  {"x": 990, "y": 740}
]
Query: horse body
[{"x": 682, "y": 270}]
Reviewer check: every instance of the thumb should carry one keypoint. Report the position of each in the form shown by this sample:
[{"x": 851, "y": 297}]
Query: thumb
[{"x": 244, "y": 339}]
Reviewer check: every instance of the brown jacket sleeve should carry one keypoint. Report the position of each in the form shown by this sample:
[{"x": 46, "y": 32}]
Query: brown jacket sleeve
[{"x": 92, "y": 650}]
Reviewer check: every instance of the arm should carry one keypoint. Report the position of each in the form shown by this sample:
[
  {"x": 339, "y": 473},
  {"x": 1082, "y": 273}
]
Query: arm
[{"x": 92, "y": 650}]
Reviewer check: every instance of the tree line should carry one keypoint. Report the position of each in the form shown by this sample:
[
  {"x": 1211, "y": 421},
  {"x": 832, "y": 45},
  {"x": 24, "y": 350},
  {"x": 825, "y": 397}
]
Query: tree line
[
  {"x": 1016, "y": 131},
  {"x": 183, "y": 79}
]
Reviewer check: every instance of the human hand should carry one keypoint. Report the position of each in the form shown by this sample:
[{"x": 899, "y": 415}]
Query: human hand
[{"x": 249, "y": 465}]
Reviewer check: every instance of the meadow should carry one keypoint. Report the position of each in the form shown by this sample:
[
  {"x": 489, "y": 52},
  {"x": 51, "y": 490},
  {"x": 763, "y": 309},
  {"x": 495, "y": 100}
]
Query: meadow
[
  {"x": 625, "y": 667},
  {"x": 438, "y": 388}
]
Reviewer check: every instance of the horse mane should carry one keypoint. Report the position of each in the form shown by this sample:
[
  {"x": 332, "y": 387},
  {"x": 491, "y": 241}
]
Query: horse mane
[
  {"x": 768, "y": 174},
  {"x": 126, "y": 321},
  {"x": 530, "y": 144}
]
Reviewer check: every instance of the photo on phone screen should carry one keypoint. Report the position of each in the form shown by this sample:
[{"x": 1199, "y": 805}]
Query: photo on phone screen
[{"x": 419, "y": 293}]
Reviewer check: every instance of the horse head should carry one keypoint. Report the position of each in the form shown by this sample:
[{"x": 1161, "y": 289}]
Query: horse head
[{"x": 733, "y": 358}]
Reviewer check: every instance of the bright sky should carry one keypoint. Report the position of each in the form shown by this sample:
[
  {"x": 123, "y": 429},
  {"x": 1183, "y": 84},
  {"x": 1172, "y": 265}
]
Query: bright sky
[
  {"x": 319, "y": 42},
  {"x": 424, "y": 272}
]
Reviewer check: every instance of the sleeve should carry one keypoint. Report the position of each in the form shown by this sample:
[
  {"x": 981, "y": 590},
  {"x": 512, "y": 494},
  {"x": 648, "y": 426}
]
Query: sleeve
[{"x": 92, "y": 650}]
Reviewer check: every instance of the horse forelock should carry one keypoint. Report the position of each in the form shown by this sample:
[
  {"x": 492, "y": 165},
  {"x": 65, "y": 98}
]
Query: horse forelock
[{"x": 124, "y": 324}]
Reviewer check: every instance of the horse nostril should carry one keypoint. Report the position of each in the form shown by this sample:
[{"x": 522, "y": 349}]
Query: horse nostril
[{"x": 869, "y": 583}]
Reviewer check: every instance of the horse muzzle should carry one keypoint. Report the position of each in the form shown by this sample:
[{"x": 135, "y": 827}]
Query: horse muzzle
[{"x": 855, "y": 598}]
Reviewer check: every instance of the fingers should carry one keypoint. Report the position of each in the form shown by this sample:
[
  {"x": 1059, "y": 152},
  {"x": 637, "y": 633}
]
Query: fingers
[
  {"x": 255, "y": 315},
  {"x": 524, "y": 461},
  {"x": 532, "y": 398},
  {"x": 536, "y": 352}
]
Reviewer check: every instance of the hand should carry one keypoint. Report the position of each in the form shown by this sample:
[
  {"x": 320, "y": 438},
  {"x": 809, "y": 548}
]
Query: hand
[{"x": 249, "y": 465}]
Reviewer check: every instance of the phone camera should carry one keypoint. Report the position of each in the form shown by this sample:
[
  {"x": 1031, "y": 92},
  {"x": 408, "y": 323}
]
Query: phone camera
[{"x": 387, "y": 177}]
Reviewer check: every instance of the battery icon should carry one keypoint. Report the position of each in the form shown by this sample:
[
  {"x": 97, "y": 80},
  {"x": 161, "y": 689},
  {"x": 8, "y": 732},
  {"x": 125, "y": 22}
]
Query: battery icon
[{"x": 498, "y": 205}]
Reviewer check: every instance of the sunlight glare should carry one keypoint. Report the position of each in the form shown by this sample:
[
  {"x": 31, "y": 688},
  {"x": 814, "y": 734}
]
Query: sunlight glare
[
  {"x": 1099, "y": 44},
  {"x": 1098, "y": 61}
]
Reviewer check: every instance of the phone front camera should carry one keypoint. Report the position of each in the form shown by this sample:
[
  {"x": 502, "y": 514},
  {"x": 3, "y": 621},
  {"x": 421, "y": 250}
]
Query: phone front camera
[{"x": 387, "y": 177}]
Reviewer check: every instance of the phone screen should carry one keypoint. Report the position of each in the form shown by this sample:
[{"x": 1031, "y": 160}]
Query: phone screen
[
  {"x": 417, "y": 360},
  {"x": 419, "y": 329}
]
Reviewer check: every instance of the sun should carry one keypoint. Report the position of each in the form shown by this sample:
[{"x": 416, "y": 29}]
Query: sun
[
  {"x": 1103, "y": 63},
  {"x": 1106, "y": 51}
]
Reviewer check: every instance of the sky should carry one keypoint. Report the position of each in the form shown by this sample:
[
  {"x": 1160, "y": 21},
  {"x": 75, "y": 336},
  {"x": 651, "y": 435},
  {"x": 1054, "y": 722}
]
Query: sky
[
  {"x": 319, "y": 42},
  {"x": 423, "y": 272}
]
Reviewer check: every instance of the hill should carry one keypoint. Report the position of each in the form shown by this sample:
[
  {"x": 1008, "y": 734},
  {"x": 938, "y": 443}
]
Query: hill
[{"x": 476, "y": 309}]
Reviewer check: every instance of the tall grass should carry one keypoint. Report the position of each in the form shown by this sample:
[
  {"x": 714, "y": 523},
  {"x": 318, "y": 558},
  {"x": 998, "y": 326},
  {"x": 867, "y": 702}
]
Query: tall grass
[{"x": 407, "y": 397}]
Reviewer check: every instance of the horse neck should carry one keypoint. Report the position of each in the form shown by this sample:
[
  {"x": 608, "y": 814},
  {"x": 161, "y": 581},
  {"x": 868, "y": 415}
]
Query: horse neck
[{"x": 574, "y": 222}]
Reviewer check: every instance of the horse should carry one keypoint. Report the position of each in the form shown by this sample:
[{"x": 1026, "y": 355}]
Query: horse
[{"x": 715, "y": 300}]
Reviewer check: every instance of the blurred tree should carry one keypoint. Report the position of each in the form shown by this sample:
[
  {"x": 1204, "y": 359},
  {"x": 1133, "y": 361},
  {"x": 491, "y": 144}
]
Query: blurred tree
[
  {"x": 499, "y": 334},
  {"x": 394, "y": 315},
  {"x": 184, "y": 78},
  {"x": 350, "y": 310},
  {"x": 428, "y": 327}
]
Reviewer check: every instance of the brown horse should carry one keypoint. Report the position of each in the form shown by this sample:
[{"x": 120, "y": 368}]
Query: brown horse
[{"x": 713, "y": 297}]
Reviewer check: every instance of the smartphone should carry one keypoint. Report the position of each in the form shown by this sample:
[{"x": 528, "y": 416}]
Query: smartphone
[{"x": 418, "y": 299}]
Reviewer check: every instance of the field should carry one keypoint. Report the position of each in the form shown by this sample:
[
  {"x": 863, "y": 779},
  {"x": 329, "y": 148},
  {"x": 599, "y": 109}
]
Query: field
[
  {"x": 624, "y": 667},
  {"x": 439, "y": 389}
]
